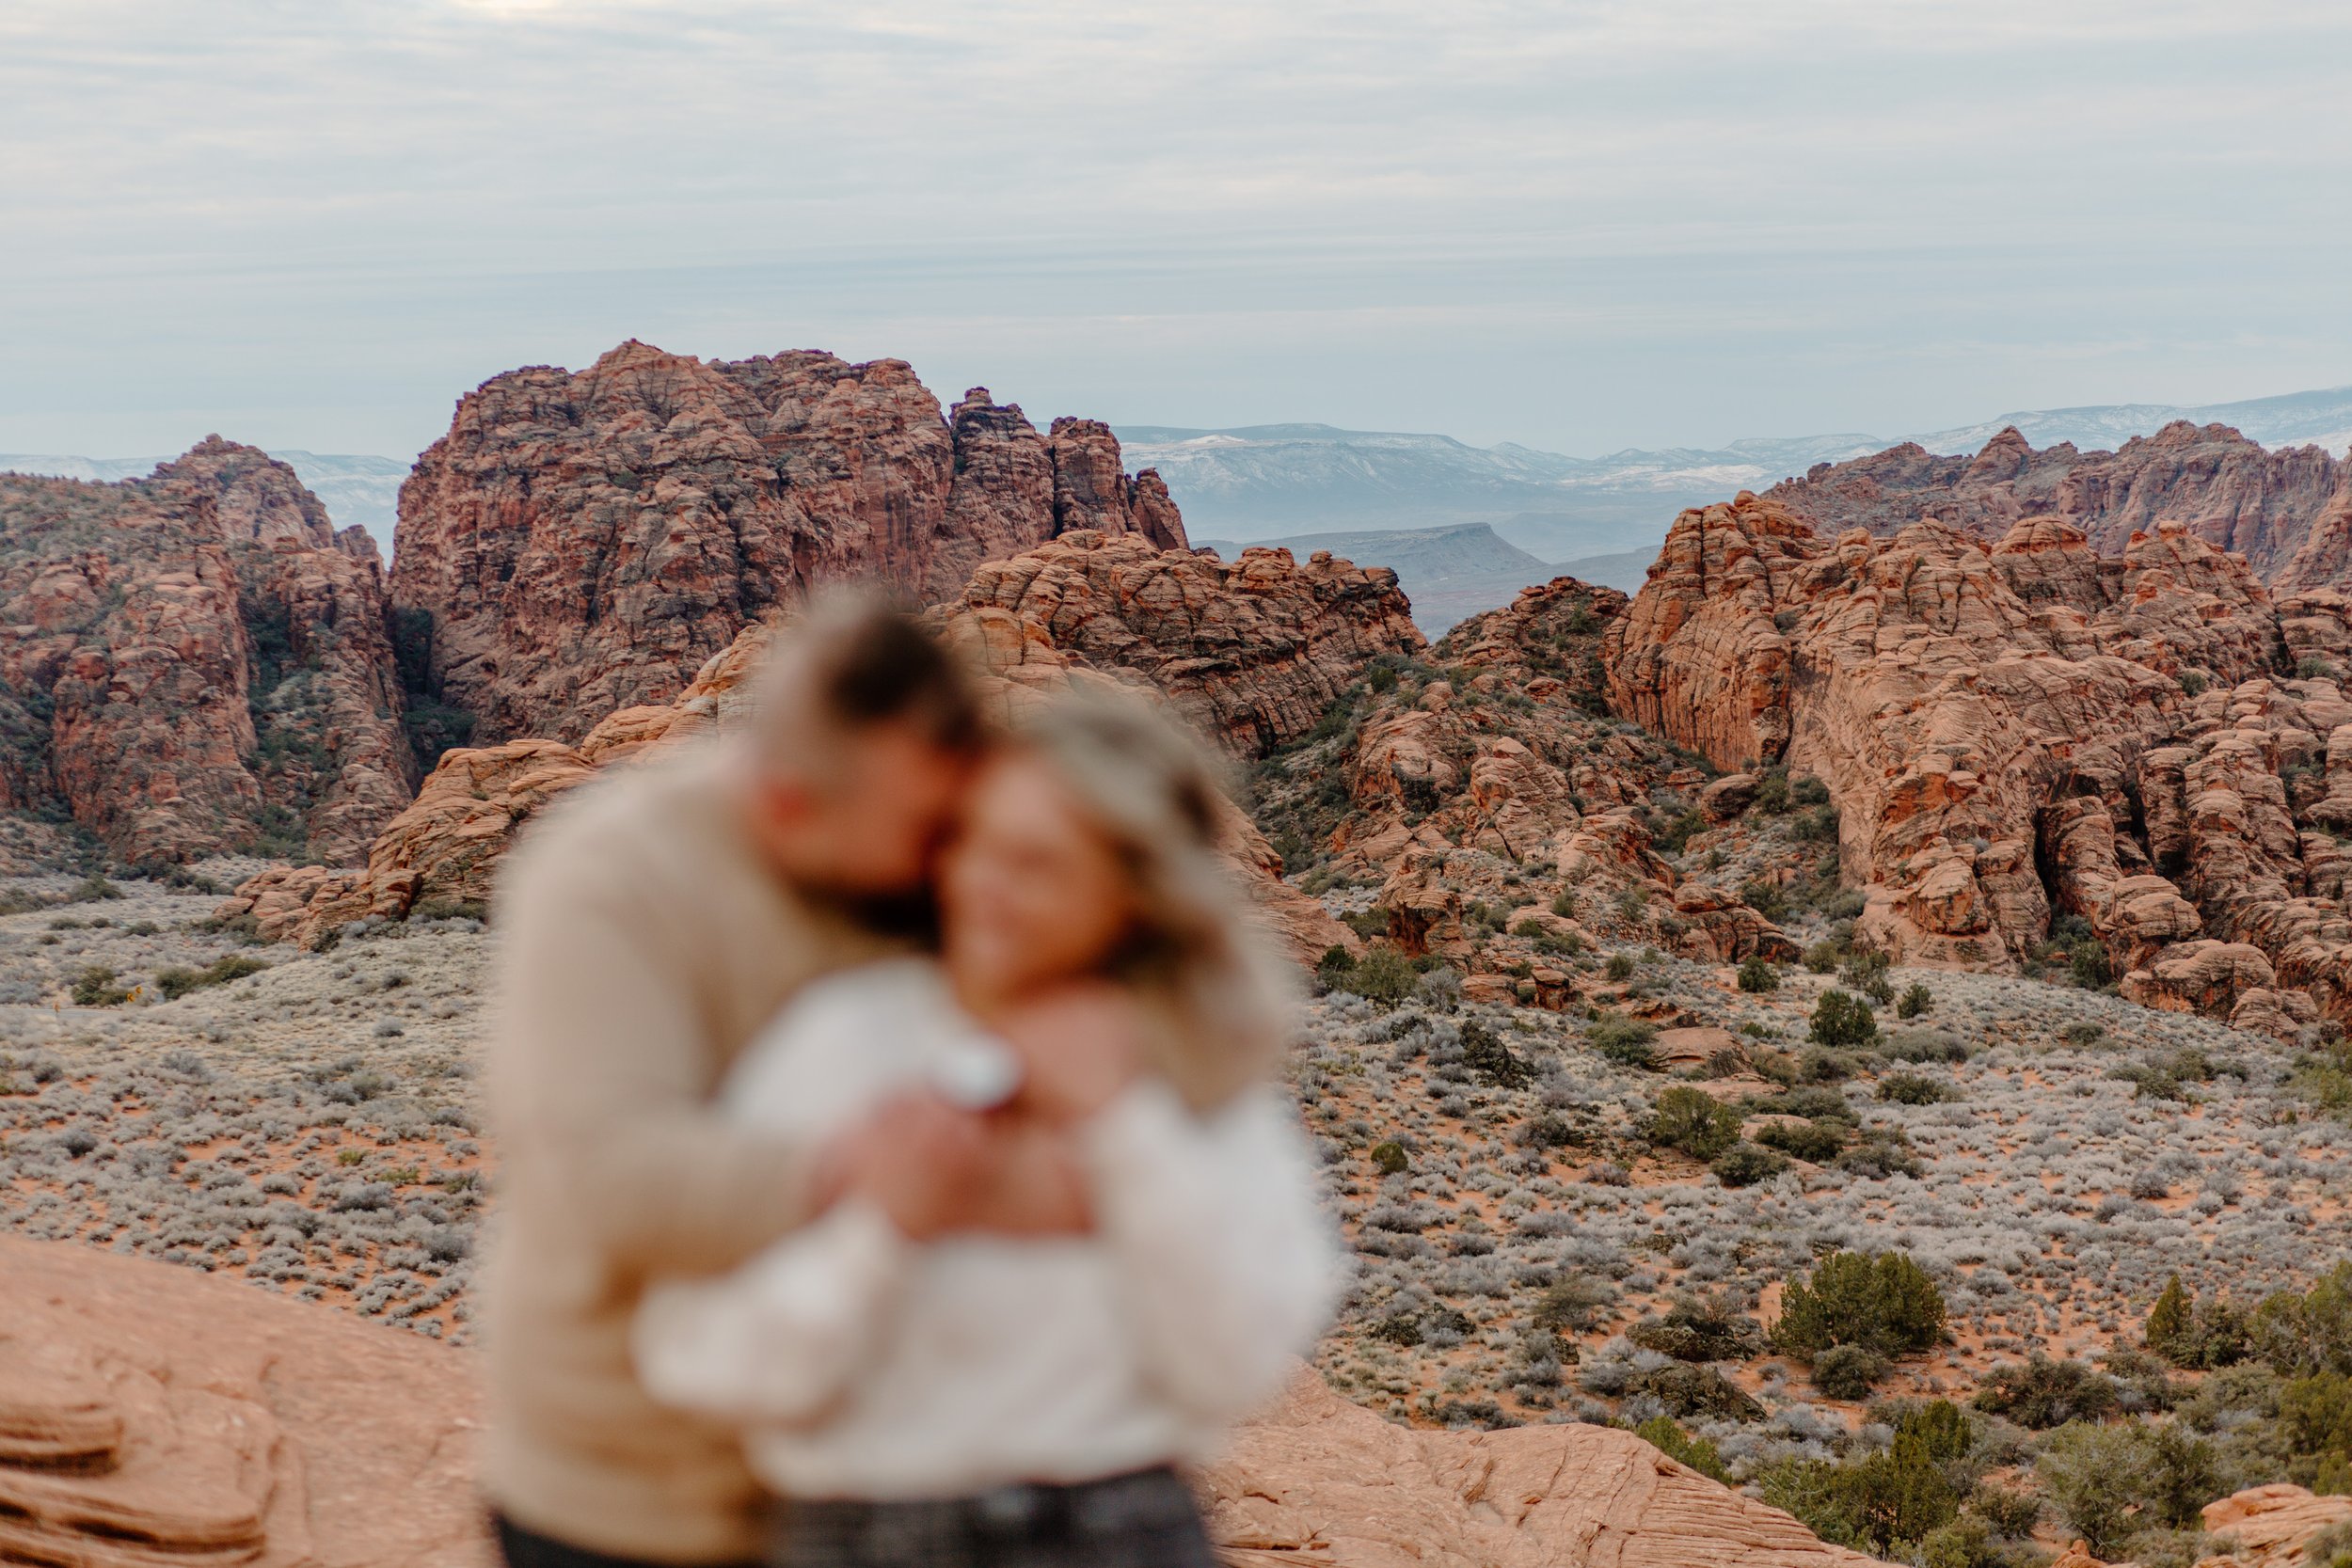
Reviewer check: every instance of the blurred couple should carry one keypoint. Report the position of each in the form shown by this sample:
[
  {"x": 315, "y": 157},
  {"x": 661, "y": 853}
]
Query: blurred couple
[{"x": 891, "y": 1169}]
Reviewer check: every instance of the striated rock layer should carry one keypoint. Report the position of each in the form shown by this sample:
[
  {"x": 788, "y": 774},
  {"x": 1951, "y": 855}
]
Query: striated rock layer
[
  {"x": 2269, "y": 506},
  {"x": 2021, "y": 728},
  {"x": 580, "y": 543},
  {"x": 150, "y": 1416},
  {"x": 196, "y": 662}
]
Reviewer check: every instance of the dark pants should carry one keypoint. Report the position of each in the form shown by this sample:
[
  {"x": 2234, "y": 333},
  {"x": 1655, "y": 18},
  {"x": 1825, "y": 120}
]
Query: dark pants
[
  {"x": 1144, "y": 1520},
  {"x": 526, "y": 1548}
]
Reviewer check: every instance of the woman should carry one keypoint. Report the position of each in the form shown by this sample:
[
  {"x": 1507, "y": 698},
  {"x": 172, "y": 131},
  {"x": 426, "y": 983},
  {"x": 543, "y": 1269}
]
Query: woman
[{"x": 1098, "y": 1011}]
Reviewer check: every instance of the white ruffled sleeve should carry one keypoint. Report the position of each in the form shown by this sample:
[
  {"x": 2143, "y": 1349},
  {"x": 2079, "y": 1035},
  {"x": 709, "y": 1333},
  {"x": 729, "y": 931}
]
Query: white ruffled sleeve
[
  {"x": 1229, "y": 1265},
  {"x": 782, "y": 1339}
]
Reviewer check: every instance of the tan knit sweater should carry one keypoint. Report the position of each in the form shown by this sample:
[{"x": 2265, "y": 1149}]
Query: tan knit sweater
[{"x": 642, "y": 942}]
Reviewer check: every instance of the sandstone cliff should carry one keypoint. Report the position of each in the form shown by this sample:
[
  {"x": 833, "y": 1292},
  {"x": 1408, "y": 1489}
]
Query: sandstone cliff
[
  {"x": 2229, "y": 491},
  {"x": 2147, "y": 739},
  {"x": 1252, "y": 653},
  {"x": 196, "y": 662},
  {"x": 580, "y": 543}
]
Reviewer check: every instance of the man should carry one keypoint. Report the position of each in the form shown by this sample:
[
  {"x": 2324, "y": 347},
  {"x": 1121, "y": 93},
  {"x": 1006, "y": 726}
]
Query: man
[{"x": 648, "y": 929}]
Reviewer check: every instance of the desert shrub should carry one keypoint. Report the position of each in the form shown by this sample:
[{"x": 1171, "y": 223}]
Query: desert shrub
[
  {"x": 2010, "y": 1510},
  {"x": 2087, "y": 965},
  {"x": 451, "y": 908},
  {"x": 1679, "y": 831},
  {"x": 1765, "y": 898},
  {"x": 92, "y": 888},
  {"x": 1840, "y": 1019},
  {"x": 1814, "y": 1142},
  {"x": 1866, "y": 971},
  {"x": 1620, "y": 966},
  {"x": 2307, "y": 1332},
  {"x": 1818, "y": 826},
  {"x": 1383, "y": 976},
  {"x": 1699, "y": 1328},
  {"x": 1849, "y": 1372},
  {"x": 1810, "y": 1099},
  {"x": 1939, "y": 1425},
  {"x": 1570, "y": 1303},
  {"x": 95, "y": 986},
  {"x": 1914, "y": 1088},
  {"x": 1881, "y": 1301},
  {"x": 2330, "y": 1548},
  {"x": 1743, "y": 1164},
  {"x": 1687, "y": 1390},
  {"x": 1693, "y": 1122},
  {"x": 1550, "y": 1130},
  {"x": 1822, "y": 957},
  {"x": 1922, "y": 1045},
  {"x": 1624, "y": 1040},
  {"x": 1818, "y": 1064},
  {"x": 1880, "y": 1503},
  {"x": 1757, "y": 975},
  {"x": 1664, "y": 1435},
  {"x": 1388, "y": 1158},
  {"x": 1916, "y": 999},
  {"x": 2039, "y": 1393},
  {"x": 1879, "y": 1152},
  {"x": 178, "y": 980},
  {"x": 1484, "y": 1052},
  {"x": 2110, "y": 1482}
]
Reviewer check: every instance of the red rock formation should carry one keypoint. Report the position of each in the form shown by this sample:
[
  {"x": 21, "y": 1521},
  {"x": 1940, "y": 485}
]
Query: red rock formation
[
  {"x": 1092, "y": 492},
  {"x": 2231, "y": 492},
  {"x": 1250, "y": 653},
  {"x": 195, "y": 661},
  {"x": 1997, "y": 723},
  {"x": 1256, "y": 648},
  {"x": 1315, "y": 1478},
  {"x": 149, "y": 1414},
  {"x": 580, "y": 543}
]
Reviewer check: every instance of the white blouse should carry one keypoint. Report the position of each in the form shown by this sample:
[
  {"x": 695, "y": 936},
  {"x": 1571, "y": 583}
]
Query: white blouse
[{"x": 865, "y": 1365}]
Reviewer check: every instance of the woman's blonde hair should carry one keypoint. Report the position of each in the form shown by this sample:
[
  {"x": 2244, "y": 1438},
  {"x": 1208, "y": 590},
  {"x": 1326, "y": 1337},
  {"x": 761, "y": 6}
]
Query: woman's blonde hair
[{"x": 1220, "y": 1003}]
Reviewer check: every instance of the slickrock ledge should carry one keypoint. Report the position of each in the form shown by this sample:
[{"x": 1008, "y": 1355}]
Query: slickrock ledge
[
  {"x": 153, "y": 1416},
  {"x": 1318, "y": 1480}
]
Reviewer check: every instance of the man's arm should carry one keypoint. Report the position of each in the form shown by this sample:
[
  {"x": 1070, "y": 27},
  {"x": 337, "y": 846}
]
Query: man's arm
[{"x": 602, "y": 1084}]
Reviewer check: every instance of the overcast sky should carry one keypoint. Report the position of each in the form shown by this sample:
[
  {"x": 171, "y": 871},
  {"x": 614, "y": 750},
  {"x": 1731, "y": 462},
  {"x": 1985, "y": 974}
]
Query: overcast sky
[{"x": 314, "y": 223}]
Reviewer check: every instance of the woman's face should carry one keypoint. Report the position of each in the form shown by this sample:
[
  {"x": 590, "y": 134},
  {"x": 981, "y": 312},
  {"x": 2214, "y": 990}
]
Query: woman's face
[{"x": 1030, "y": 894}]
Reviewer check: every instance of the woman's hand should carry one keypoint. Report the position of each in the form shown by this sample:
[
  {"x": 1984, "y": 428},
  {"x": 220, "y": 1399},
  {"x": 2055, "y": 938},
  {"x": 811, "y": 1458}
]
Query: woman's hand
[
  {"x": 1079, "y": 1046},
  {"x": 934, "y": 1168}
]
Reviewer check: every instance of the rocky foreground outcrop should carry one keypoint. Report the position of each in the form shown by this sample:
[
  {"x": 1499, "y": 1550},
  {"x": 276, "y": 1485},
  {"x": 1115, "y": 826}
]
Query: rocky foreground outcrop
[
  {"x": 2022, "y": 727},
  {"x": 581, "y": 542},
  {"x": 1252, "y": 653},
  {"x": 2230, "y": 492},
  {"x": 196, "y": 662},
  {"x": 149, "y": 1414}
]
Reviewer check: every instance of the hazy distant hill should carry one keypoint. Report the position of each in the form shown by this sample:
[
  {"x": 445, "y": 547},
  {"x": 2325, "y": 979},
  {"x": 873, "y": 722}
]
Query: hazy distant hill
[
  {"x": 2322, "y": 419},
  {"x": 356, "y": 488},
  {"x": 1454, "y": 572},
  {"x": 1259, "y": 483}
]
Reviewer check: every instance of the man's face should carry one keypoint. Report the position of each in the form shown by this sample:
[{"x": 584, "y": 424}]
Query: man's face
[{"x": 872, "y": 828}]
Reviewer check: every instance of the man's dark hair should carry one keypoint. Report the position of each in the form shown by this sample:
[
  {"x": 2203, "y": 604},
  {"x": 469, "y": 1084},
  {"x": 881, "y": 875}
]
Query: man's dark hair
[
  {"x": 886, "y": 669},
  {"x": 855, "y": 662}
]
